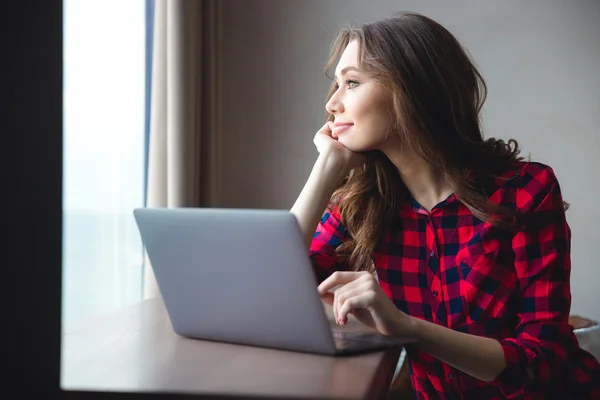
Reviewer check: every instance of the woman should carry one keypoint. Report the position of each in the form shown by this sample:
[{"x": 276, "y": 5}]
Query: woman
[{"x": 469, "y": 243}]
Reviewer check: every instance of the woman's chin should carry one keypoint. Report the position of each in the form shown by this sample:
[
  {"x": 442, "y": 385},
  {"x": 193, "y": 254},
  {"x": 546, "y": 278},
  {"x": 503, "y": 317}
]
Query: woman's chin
[
  {"x": 353, "y": 146},
  {"x": 346, "y": 142}
]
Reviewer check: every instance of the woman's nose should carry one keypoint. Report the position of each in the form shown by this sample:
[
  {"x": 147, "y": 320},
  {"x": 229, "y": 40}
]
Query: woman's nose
[{"x": 334, "y": 106}]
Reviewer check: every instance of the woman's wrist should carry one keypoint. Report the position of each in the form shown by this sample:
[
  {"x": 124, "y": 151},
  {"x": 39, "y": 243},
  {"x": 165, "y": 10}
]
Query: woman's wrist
[
  {"x": 405, "y": 325},
  {"x": 409, "y": 326},
  {"x": 330, "y": 170}
]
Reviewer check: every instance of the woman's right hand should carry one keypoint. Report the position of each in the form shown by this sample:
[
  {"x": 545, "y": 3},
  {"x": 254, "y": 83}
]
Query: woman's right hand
[
  {"x": 334, "y": 164},
  {"x": 328, "y": 146}
]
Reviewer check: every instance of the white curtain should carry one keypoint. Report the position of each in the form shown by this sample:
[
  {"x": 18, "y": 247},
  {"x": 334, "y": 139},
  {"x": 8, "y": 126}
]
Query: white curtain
[{"x": 183, "y": 146}]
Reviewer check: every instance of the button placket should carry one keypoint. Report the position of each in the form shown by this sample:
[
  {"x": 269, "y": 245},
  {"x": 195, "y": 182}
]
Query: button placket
[{"x": 434, "y": 264}]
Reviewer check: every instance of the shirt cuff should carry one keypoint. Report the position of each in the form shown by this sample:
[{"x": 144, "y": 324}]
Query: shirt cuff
[{"x": 515, "y": 380}]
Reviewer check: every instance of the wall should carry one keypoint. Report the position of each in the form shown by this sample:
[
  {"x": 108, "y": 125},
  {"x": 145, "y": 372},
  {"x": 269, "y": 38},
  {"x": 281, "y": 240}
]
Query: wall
[{"x": 541, "y": 60}]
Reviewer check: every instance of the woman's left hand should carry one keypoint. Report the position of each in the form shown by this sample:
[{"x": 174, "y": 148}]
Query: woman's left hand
[{"x": 362, "y": 296}]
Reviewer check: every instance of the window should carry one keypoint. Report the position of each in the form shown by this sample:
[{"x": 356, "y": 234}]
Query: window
[{"x": 104, "y": 142}]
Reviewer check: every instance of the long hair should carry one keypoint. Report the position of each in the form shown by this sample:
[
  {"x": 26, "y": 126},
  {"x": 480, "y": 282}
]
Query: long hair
[{"x": 436, "y": 95}]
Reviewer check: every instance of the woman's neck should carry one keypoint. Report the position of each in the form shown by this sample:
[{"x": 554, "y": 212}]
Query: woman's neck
[{"x": 427, "y": 184}]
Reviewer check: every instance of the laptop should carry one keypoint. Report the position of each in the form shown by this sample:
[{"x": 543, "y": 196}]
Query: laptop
[{"x": 243, "y": 276}]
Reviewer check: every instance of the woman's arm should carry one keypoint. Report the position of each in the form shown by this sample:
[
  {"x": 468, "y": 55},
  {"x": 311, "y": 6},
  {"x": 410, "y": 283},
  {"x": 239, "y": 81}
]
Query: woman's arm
[
  {"x": 315, "y": 195},
  {"x": 333, "y": 164},
  {"x": 361, "y": 295},
  {"x": 480, "y": 357}
]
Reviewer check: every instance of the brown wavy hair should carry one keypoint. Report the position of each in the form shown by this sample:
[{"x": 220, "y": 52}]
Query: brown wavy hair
[{"x": 436, "y": 95}]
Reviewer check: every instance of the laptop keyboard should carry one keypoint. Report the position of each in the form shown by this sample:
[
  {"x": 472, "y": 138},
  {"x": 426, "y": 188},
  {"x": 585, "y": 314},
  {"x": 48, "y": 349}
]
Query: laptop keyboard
[
  {"x": 347, "y": 339},
  {"x": 344, "y": 339},
  {"x": 343, "y": 344}
]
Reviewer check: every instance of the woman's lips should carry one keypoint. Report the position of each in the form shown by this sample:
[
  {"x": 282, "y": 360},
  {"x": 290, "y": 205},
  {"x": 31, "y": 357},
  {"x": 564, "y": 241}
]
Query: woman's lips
[{"x": 341, "y": 128}]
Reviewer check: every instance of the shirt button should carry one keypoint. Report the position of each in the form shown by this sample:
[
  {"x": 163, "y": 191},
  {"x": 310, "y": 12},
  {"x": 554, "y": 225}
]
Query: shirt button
[
  {"x": 432, "y": 254},
  {"x": 450, "y": 376},
  {"x": 435, "y": 293}
]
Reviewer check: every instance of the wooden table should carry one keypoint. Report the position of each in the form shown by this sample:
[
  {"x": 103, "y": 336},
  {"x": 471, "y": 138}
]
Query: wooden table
[{"x": 136, "y": 350}]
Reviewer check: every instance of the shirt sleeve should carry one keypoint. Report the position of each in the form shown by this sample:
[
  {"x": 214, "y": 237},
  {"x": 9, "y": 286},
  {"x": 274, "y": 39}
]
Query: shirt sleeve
[
  {"x": 330, "y": 233},
  {"x": 543, "y": 337}
]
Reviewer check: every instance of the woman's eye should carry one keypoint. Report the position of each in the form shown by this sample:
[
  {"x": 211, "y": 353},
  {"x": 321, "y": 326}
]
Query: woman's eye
[{"x": 350, "y": 83}]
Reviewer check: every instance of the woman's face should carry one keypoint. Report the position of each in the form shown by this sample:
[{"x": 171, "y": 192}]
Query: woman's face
[{"x": 360, "y": 106}]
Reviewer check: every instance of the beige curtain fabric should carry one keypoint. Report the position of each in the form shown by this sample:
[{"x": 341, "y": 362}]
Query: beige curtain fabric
[{"x": 183, "y": 151}]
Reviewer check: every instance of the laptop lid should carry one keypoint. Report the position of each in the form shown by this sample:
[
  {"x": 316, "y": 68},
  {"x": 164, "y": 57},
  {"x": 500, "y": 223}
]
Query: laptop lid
[{"x": 236, "y": 275}]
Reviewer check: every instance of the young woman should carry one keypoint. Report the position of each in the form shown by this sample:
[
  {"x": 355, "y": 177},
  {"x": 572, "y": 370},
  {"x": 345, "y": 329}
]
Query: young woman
[{"x": 430, "y": 231}]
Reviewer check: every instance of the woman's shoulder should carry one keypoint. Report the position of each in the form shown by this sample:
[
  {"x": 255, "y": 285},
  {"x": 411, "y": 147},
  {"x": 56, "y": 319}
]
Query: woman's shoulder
[
  {"x": 527, "y": 183},
  {"x": 526, "y": 175},
  {"x": 521, "y": 173}
]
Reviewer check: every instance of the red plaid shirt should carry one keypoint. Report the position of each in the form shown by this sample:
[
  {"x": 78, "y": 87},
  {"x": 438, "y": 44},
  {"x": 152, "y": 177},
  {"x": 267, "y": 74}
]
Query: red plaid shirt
[{"x": 449, "y": 267}]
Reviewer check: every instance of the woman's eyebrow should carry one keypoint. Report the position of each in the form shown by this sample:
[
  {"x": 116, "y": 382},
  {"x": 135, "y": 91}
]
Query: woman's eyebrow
[{"x": 350, "y": 68}]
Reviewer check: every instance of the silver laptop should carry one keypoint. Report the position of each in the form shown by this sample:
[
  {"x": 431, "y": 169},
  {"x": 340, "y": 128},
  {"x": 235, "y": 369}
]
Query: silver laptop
[{"x": 243, "y": 276}]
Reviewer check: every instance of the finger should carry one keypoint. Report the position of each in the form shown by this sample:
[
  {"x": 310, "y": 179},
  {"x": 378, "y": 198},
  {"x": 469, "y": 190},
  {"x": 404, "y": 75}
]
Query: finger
[
  {"x": 357, "y": 286},
  {"x": 341, "y": 298},
  {"x": 359, "y": 281},
  {"x": 362, "y": 300},
  {"x": 337, "y": 278},
  {"x": 328, "y": 298},
  {"x": 323, "y": 134},
  {"x": 331, "y": 133},
  {"x": 327, "y": 129}
]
